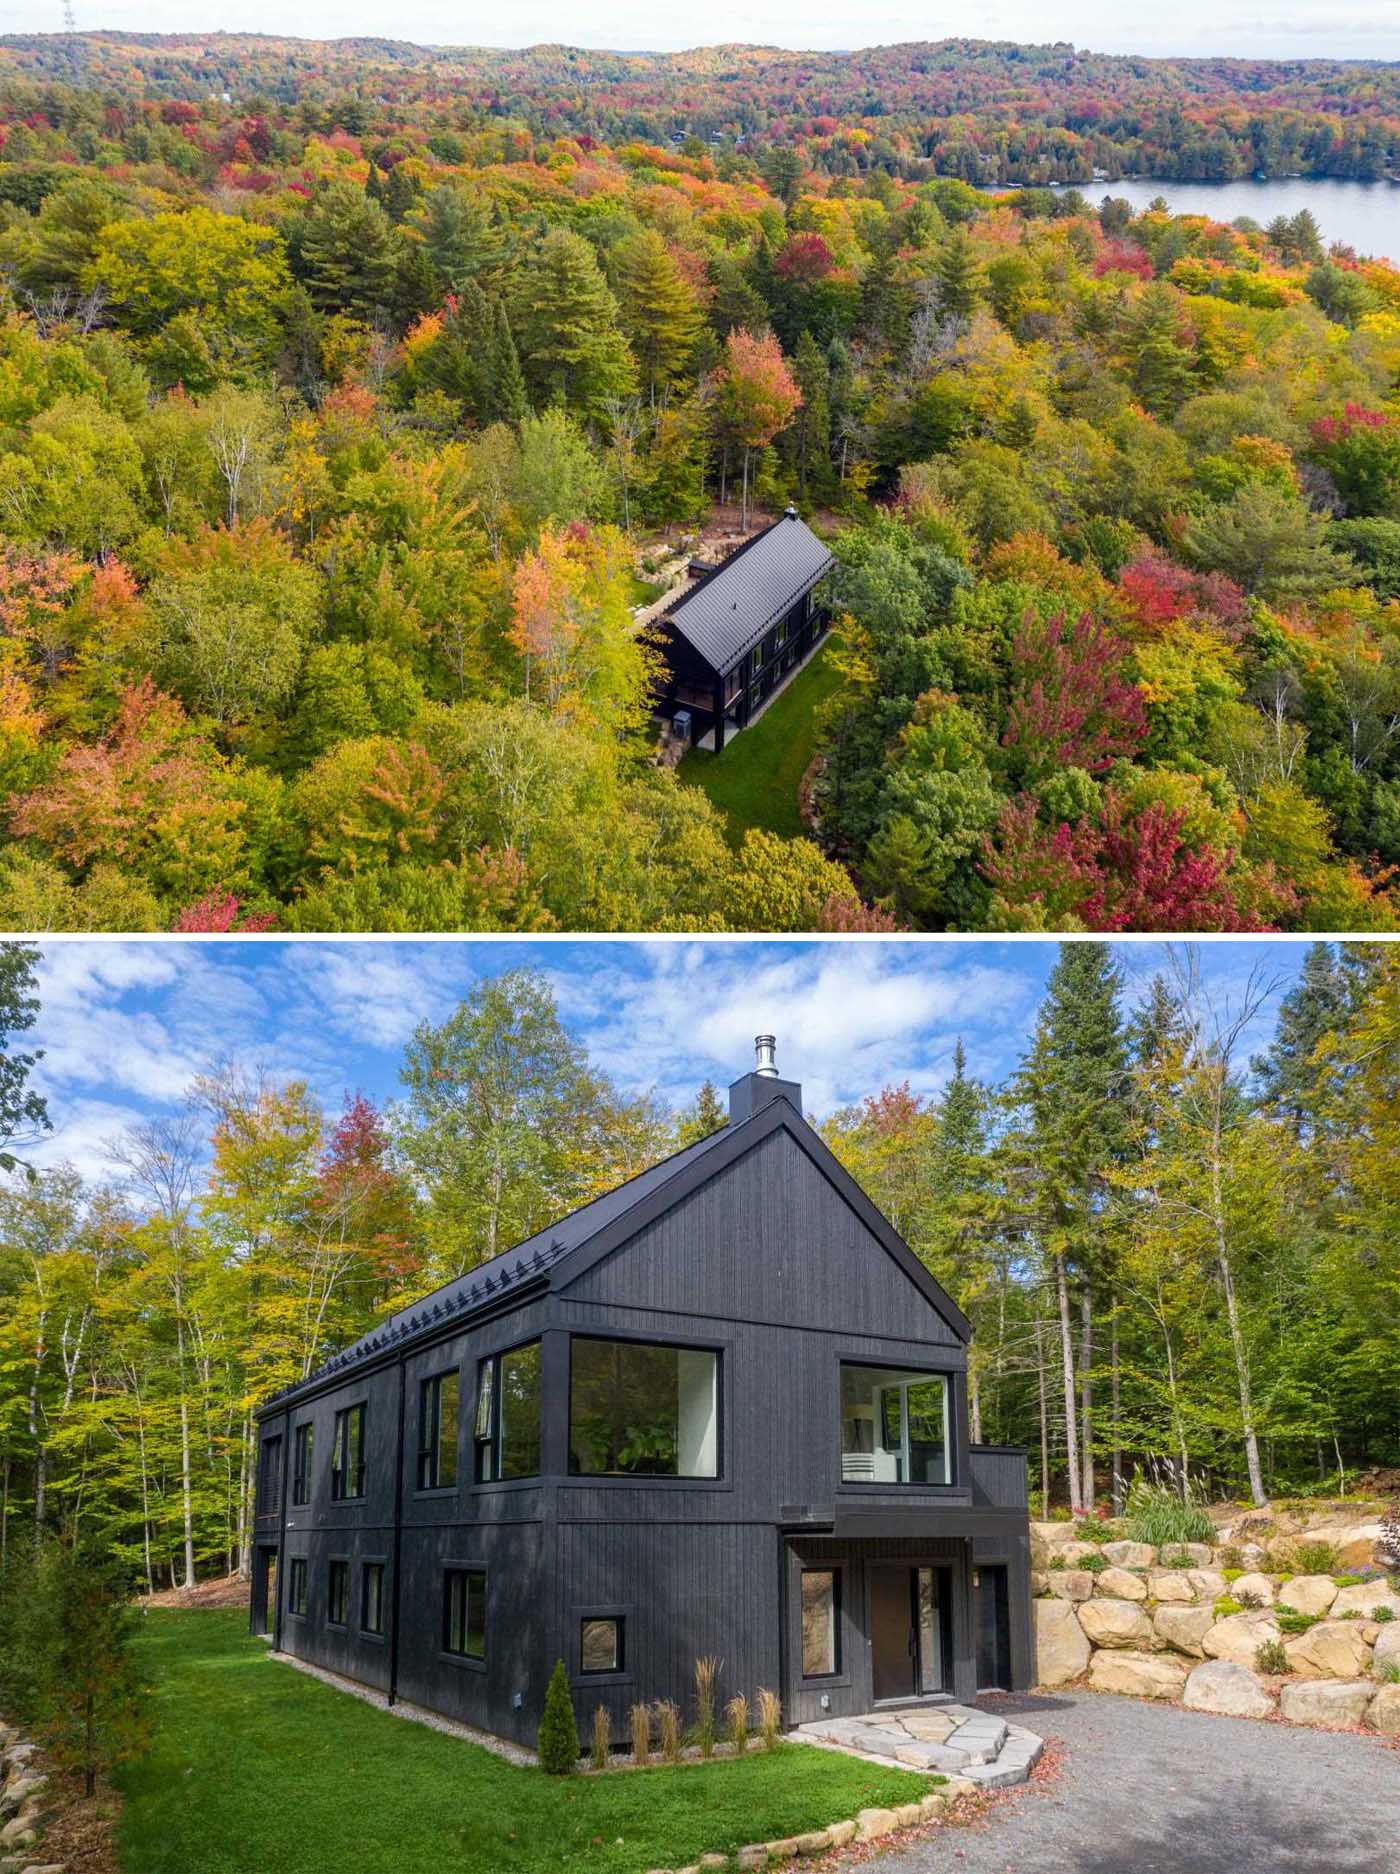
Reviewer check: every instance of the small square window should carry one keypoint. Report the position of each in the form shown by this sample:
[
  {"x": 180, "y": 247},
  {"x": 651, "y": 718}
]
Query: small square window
[{"x": 600, "y": 1645}]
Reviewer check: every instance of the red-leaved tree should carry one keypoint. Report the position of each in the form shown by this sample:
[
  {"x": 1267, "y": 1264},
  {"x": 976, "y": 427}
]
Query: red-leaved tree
[{"x": 1072, "y": 703}]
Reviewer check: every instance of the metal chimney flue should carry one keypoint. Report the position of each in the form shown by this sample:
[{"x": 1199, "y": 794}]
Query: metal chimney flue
[{"x": 765, "y": 1056}]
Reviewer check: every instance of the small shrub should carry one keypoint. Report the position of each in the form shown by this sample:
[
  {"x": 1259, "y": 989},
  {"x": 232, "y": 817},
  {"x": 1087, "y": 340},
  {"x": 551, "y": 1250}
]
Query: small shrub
[
  {"x": 602, "y": 1738},
  {"x": 1094, "y": 1564},
  {"x": 1288, "y": 1622},
  {"x": 641, "y": 1733},
  {"x": 1390, "y": 1672},
  {"x": 1157, "y": 1514},
  {"x": 706, "y": 1673},
  {"x": 1175, "y": 1558},
  {"x": 770, "y": 1717},
  {"x": 1352, "y": 1580},
  {"x": 1232, "y": 1574},
  {"x": 1231, "y": 1560},
  {"x": 1095, "y": 1529},
  {"x": 1315, "y": 1558},
  {"x": 737, "y": 1712},
  {"x": 1226, "y": 1606},
  {"x": 668, "y": 1729},
  {"x": 1352, "y": 1613},
  {"x": 1057, "y": 1561},
  {"x": 1382, "y": 1613},
  {"x": 1270, "y": 1658},
  {"x": 557, "y": 1741},
  {"x": 1250, "y": 1598}
]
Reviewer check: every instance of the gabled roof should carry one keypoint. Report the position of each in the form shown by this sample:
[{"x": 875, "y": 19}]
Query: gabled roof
[
  {"x": 553, "y": 1258},
  {"x": 730, "y": 609}
]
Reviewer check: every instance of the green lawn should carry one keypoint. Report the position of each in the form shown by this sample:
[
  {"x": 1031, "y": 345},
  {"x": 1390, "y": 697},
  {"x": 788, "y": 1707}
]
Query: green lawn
[
  {"x": 254, "y": 1768},
  {"x": 754, "y": 780}
]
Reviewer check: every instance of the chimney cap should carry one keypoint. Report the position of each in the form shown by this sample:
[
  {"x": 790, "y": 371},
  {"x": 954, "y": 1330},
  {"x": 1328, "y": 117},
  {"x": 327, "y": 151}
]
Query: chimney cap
[
  {"x": 765, "y": 1056},
  {"x": 790, "y": 511}
]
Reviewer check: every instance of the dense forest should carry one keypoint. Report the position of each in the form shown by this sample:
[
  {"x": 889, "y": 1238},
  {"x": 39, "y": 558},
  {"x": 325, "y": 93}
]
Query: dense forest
[
  {"x": 1180, "y": 1262},
  {"x": 348, "y": 421}
]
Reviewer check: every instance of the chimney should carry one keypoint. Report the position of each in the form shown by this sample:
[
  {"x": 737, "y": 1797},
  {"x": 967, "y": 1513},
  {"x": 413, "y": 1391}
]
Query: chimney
[{"x": 756, "y": 1089}]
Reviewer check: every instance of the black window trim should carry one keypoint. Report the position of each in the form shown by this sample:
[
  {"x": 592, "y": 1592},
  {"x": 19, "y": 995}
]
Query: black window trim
[
  {"x": 271, "y": 1459},
  {"x": 639, "y": 1480},
  {"x": 421, "y": 1489},
  {"x": 303, "y": 1475},
  {"x": 954, "y": 1377},
  {"x": 376, "y": 1636},
  {"x": 495, "y": 1355},
  {"x": 623, "y": 1611},
  {"x": 838, "y": 1674},
  {"x": 455, "y": 1566},
  {"x": 304, "y": 1562},
  {"x": 341, "y": 1422},
  {"x": 333, "y": 1562}
]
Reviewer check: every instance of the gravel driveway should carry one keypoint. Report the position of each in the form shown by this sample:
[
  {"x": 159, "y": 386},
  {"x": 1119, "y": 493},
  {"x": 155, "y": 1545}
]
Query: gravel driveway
[{"x": 1150, "y": 1789}]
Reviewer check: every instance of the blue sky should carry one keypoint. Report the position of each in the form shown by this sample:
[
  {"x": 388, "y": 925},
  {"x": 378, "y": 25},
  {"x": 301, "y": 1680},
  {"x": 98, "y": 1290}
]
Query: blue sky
[
  {"x": 1219, "y": 28},
  {"x": 127, "y": 1024}
]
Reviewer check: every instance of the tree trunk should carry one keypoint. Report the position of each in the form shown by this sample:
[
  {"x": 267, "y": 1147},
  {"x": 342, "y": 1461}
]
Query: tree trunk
[
  {"x": 974, "y": 1385},
  {"x": 1086, "y": 1396},
  {"x": 1076, "y": 1493},
  {"x": 186, "y": 1485},
  {"x": 1232, "y": 1314},
  {"x": 1116, "y": 1402},
  {"x": 744, "y": 505},
  {"x": 1044, "y": 1416}
]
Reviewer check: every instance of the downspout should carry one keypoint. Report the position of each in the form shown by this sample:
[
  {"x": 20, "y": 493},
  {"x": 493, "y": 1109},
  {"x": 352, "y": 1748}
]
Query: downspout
[{"x": 398, "y": 1546}]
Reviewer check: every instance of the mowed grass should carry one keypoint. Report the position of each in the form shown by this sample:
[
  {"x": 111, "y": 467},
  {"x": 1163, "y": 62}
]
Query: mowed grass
[
  {"x": 254, "y": 1768},
  {"x": 754, "y": 780}
]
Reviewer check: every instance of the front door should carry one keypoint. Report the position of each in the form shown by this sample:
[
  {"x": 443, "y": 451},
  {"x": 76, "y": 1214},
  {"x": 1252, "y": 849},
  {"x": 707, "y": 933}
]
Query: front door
[{"x": 892, "y": 1632}]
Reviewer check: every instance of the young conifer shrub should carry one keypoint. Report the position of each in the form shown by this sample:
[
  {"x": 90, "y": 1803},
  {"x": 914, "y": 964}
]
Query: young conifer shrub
[
  {"x": 602, "y": 1738},
  {"x": 557, "y": 1742}
]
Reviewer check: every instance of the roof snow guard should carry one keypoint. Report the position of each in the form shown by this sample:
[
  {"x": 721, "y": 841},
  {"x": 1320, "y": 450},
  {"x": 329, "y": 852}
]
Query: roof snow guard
[{"x": 726, "y": 614}]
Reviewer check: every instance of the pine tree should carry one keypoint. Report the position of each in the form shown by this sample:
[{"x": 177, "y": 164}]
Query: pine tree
[
  {"x": 704, "y": 1115},
  {"x": 572, "y": 350},
  {"x": 87, "y": 1690},
  {"x": 811, "y": 433},
  {"x": 1290, "y": 1075},
  {"x": 958, "y": 275},
  {"x": 557, "y": 1741},
  {"x": 509, "y": 402},
  {"x": 657, "y": 310},
  {"x": 345, "y": 250}
]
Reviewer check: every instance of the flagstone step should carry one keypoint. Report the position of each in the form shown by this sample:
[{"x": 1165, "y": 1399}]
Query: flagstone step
[{"x": 953, "y": 1740}]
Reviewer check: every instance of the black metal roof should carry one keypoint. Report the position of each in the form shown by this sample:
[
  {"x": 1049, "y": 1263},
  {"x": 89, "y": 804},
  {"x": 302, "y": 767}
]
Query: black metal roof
[{"x": 730, "y": 609}]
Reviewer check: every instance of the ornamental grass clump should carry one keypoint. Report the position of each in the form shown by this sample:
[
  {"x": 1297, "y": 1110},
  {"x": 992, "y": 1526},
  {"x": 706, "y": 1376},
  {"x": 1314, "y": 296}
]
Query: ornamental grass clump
[
  {"x": 641, "y": 1733},
  {"x": 737, "y": 1712},
  {"x": 668, "y": 1729},
  {"x": 706, "y": 1673},
  {"x": 557, "y": 1741},
  {"x": 1160, "y": 1515},
  {"x": 770, "y": 1717},
  {"x": 602, "y": 1738}
]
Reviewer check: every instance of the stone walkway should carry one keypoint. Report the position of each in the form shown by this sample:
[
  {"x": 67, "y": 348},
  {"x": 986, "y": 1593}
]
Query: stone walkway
[{"x": 957, "y": 1740}]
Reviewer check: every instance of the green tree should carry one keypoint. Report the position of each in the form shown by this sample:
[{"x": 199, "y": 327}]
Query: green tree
[
  {"x": 23, "y": 1112},
  {"x": 705, "y": 1114},
  {"x": 557, "y": 1742},
  {"x": 228, "y": 274},
  {"x": 88, "y": 1702},
  {"x": 572, "y": 350},
  {"x": 345, "y": 250},
  {"x": 657, "y": 310},
  {"x": 1268, "y": 542}
]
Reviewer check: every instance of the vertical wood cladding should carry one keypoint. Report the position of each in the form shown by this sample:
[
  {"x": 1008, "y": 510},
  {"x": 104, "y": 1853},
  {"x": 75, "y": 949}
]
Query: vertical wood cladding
[{"x": 770, "y": 1265}]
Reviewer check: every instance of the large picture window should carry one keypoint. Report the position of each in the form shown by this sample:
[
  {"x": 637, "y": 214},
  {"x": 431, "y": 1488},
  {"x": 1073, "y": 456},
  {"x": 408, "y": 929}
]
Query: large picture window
[
  {"x": 894, "y": 1427},
  {"x": 641, "y": 1410},
  {"x": 464, "y": 1613},
  {"x": 303, "y": 1454},
  {"x": 348, "y": 1454},
  {"x": 821, "y": 1638},
  {"x": 508, "y": 1414},
  {"x": 438, "y": 1400}
]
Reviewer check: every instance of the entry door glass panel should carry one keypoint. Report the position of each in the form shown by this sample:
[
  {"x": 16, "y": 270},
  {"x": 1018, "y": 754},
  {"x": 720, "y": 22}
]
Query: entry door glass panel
[{"x": 930, "y": 1631}]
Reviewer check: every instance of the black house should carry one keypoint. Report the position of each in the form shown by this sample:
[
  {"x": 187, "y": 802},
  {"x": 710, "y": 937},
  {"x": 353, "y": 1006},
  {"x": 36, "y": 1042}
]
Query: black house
[
  {"x": 740, "y": 627},
  {"x": 720, "y": 1410}
]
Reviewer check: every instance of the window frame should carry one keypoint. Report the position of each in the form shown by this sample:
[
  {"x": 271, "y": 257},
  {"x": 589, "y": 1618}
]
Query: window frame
[
  {"x": 838, "y": 1670},
  {"x": 951, "y": 1409},
  {"x": 618, "y": 1623},
  {"x": 303, "y": 1463},
  {"x": 340, "y": 1452},
  {"x": 626, "y": 1615},
  {"x": 380, "y": 1633},
  {"x": 489, "y": 1445},
  {"x": 633, "y": 1480},
  {"x": 298, "y": 1576},
  {"x": 270, "y": 1461},
  {"x": 341, "y": 1563},
  {"x": 474, "y": 1662},
  {"x": 430, "y": 1453}
]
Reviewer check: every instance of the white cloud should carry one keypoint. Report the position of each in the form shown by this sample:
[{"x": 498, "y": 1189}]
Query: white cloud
[{"x": 83, "y": 1132}]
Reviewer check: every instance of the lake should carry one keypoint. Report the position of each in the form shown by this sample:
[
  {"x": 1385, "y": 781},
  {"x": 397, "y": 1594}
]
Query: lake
[{"x": 1365, "y": 215}]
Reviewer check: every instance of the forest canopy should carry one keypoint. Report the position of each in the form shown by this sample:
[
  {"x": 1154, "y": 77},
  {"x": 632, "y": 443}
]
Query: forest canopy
[{"x": 353, "y": 406}]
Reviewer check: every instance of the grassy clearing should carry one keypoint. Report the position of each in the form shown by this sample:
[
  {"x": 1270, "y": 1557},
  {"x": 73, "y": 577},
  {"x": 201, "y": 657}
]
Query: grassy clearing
[
  {"x": 754, "y": 781},
  {"x": 256, "y": 1769}
]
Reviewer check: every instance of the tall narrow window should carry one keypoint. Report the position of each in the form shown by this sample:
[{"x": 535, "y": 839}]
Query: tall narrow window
[
  {"x": 372, "y": 1598},
  {"x": 348, "y": 1454},
  {"x": 508, "y": 1414},
  {"x": 642, "y": 1410},
  {"x": 821, "y": 1643},
  {"x": 338, "y": 1593},
  {"x": 303, "y": 1455},
  {"x": 438, "y": 1400},
  {"x": 894, "y": 1427},
  {"x": 464, "y": 1613},
  {"x": 270, "y": 1476},
  {"x": 296, "y": 1585}
]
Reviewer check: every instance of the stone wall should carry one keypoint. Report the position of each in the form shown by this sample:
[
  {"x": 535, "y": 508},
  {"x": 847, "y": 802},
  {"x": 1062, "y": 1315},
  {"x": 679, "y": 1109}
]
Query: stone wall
[
  {"x": 24, "y": 1808},
  {"x": 1188, "y": 1622}
]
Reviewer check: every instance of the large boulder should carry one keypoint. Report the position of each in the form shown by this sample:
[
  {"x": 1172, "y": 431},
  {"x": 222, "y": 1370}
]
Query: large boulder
[
  {"x": 1255, "y": 1587},
  {"x": 1220, "y": 1685},
  {"x": 1141, "y": 1675},
  {"x": 1355, "y": 1543},
  {"x": 1198, "y": 1554},
  {"x": 1337, "y": 1703},
  {"x": 1384, "y": 1712},
  {"x": 1184, "y": 1628},
  {"x": 1130, "y": 1554},
  {"x": 1387, "y": 1651},
  {"x": 1116, "y": 1584},
  {"x": 1364, "y": 1597},
  {"x": 1207, "y": 1584},
  {"x": 1168, "y": 1584},
  {"x": 1116, "y": 1623},
  {"x": 1308, "y": 1594},
  {"x": 1071, "y": 1584},
  {"x": 1333, "y": 1649},
  {"x": 1239, "y": 1636},
  {"x": 1061, "y": 1650}
]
